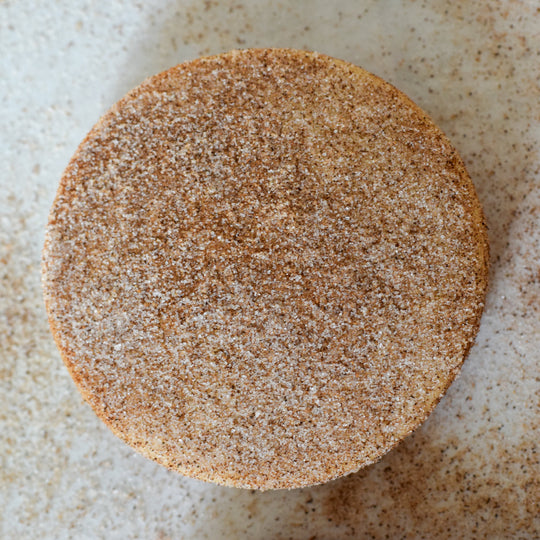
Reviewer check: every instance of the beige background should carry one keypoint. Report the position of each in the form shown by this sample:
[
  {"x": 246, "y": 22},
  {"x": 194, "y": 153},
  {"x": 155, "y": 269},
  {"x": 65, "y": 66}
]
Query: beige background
[{"x": 472, "y": 470}]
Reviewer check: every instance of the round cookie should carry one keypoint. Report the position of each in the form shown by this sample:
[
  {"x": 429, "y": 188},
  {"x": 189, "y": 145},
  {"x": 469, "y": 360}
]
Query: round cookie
[{"x": 264, "y": 268}]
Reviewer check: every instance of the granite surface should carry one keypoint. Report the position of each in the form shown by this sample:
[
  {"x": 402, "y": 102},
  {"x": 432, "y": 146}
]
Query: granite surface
[{"x": 472, "y": 470}]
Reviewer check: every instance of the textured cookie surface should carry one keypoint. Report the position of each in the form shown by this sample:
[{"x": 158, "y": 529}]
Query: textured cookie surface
[{"x": 264, "y": 268}]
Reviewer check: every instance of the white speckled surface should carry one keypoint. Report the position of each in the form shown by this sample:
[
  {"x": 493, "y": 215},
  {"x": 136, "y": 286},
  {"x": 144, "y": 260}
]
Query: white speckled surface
[{"x": 472, "y": 470}]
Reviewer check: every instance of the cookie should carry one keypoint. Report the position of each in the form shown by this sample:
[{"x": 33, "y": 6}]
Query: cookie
[{"x": 264, "y": 268}]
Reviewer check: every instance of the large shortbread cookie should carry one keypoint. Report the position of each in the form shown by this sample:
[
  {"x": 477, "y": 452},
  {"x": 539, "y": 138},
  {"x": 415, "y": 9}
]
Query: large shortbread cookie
[{"x": 265, "y": 268}]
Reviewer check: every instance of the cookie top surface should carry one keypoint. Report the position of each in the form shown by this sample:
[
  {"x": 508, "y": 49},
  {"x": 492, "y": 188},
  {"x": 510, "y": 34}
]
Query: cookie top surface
[{"x": 264, "y": 268}]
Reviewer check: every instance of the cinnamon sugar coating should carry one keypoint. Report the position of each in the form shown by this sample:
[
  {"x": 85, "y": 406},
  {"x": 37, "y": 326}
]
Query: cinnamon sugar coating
[{"x": 264, "y": 268}]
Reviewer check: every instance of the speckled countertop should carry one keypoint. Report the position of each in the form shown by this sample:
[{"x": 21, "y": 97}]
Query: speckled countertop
[{"x": 472, "y": 470}]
